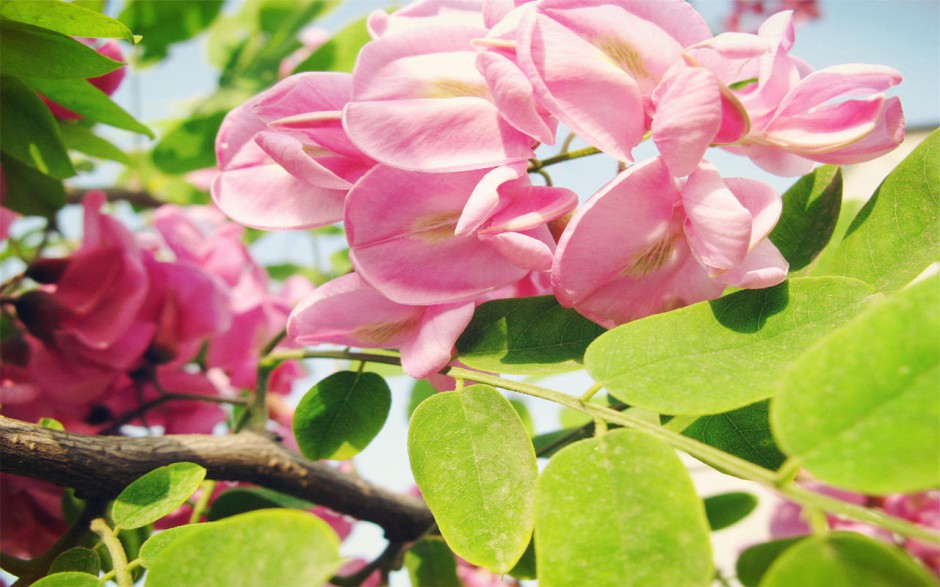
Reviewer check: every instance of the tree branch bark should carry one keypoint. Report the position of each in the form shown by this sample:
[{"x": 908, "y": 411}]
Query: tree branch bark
[{"x": 101, "y": 466}]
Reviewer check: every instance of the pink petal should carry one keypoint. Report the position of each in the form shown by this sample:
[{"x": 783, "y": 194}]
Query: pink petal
[
  {"x": 826, "y": 128},
  {"x": 718, "y": 226},
  {"x": 484, "y": 200},
  {"x": 528, "y": 207},
  {"x": 514, "y": 97},
  {"x": 836, "y": 82},
  {"x": 270, "y": 198},
  {"x": 430, "y": 349},
  {"x": 688, "y": 116},
  {"x": 887, "y": 134},
  {"x": 348, "y": 311},
  {"x": 763, "y": 267},
  {"x": 290, "y": 153},
  {"x": 762, "y": 202},
  {"x": 774, "y": 160},
  {"x": 524, "y": 250}
]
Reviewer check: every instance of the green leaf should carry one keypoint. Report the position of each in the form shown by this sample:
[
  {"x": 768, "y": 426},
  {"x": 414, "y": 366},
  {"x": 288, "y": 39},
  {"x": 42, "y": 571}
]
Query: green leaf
[
  {"x": 845, "y": 559},
  {"x": 527, "y": 336},
  {"x": 280, "y": 547},
  {"x": 475, "y": 466},
  {"x": 30, "y": 133},
  {"x": 897, "y": 234},
  {"x": 754, "y": 562},
  {"x": 154, "y": 545},
  {"x": 621, "y": 505},
  {"x": 85, "y": 99},
  {"x": 340, "y": 52},
  {"x": 156, "y": 494},
  {"x": 51, "y": 423},
  {"x": 68, "y": 579},
  {"x": 189, "y": 146},
  {"x": 744, "y": 432},
  {"x": 30, "y": 192},
  {"x": 79, "y": 137},
  {"x": 163, "y": 23},
  {"x": 716, "y": 356},
  {"x": 860, "y": 409},
  {"x": 810, "y": 213},
  {"x": 523, "y": 410},
  {"x": 29, "y": 51},
  {"x": 421, "y": 391},
  {"x": 341, "y": 415},
  {"x": 431, "y": 563},
  {"x": 66, "y": 18},
  {"x": 728, "y": 509},
  {"x": 79, "y": 560},
  {"x": 526, "y": 567},
  {"x": 240, "y": 500}
]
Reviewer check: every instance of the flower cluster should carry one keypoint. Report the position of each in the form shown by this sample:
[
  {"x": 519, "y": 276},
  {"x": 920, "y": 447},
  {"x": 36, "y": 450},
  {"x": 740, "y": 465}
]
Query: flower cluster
[
  {"x": 423, "y": 153},
  {"x": 158, "y": 329},
  {"x": 920, "y": 508},
  {"x": 128, "y": 319}
]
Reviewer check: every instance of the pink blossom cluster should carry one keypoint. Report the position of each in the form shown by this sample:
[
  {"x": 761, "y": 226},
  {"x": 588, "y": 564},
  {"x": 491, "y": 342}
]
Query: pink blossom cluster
[
  {"x": 920, "y": 508},
  {"x": 124, "y": 321},
  {"x": 423, "y": 151},
  {"x": 746, "y": 15},
  {"x": 124, "y": 318}
]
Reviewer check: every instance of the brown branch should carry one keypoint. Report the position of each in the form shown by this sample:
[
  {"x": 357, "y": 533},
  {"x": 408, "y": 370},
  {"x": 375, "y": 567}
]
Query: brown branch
[
  {"x": 101, "y": 466},
  {"x": 137, "y": 198}
]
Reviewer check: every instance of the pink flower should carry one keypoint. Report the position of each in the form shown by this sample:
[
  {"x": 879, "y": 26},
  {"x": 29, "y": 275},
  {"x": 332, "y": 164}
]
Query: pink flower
[
  {"x": 921, "y": 508},
  {"x": 422, "y": 238},
  {"x": 107, "y": 83},
  {"x": 423, "y": 13},
  {"x": 285, "y": 161},
  {"x": 32, "y": 516},
  {"x": 420, "y": 103},
  {"x": 594, "y": 64},
  {"x": 349, "y": 312},
  {"x": 648, "y": 243},
  {"x": 795, "y": 115}
]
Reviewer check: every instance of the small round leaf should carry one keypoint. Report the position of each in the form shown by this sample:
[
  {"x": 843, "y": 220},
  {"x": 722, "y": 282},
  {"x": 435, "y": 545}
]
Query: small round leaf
[{"x": 156, "y": 494}]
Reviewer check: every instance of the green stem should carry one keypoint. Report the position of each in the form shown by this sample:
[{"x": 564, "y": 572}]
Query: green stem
[
  {"x": 207, "y": 488},
  {"x": 118, "y": 558},
  {"x": 587, "y": 395},
  {"x": 716, "y": 458},
  {"x": 537, "y": 164},
  {"x": 678, "y": 424}
]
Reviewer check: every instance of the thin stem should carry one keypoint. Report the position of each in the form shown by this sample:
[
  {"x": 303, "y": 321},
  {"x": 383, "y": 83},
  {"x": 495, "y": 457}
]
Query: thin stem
[
  {"x": 385, "y": 562},
  {"x": 207, "y": 488},
  {"x": 591, "y": 392},
  {"x": 116, "y": 550},
  {"x": 566, "y": 146},
  {"x": 537, "y": 164},
  {"x": 708, "y": 454}
]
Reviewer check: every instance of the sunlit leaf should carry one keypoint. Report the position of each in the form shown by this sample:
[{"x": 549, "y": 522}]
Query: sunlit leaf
[
  {"x": 421, "y": 391},
  {"x": 530, "y": 336},
  {"x": 190, "y": 145},
  {"x": 717, "y": 356},
  {"x": 810, "y": 213},
  {"x": 340, "y": 52},
  {"x": 744, "y": 432},
  {"x": 287, "y": 548},
  {"x": 473, "y": 461},
  {"x": 79, "y": 137},
  {"x": 65, "y": 17},
  {"x": 621, "y": 505},
  {"x": 29, "y": 51},
  {"x": 727, "y": 509},
  {"x": 156, "y": 494},
  {"x": 68, "y": 579},
  {"x": 341, "y": 415},
  {"x": 845, "y": 559},
  {"x": 861, "y": 410},
  {"x": 162, "y": 23},
  {"x": 897, "y": 234},
  {"x": 431, "y": 563},
  {"x": 85, "y": 99},
  {"x": 30, "y": 133},
  {"x": 154, "y": 545}
]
